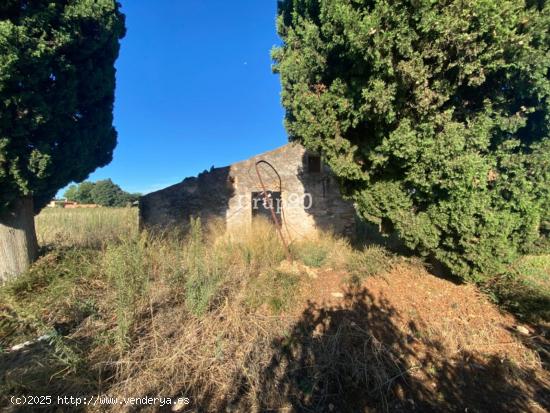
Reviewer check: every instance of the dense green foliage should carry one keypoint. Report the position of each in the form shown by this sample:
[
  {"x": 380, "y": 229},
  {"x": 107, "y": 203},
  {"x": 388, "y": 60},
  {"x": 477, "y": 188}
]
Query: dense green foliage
[
  {"x": 105, "y": 193},
  {"x": 57, "y": 81},
  {"x": 434, "y": 116},
  {"x": 81, "y": 193}
]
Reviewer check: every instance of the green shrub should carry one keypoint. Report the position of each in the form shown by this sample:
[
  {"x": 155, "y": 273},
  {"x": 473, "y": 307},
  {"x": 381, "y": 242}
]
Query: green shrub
[
  {"x": 312, "y": 254},
  {"x": 275, "y": 289},
  {"x": 372, "y": 260},
  {"x": 434, "y": 116},
  {"x": 534, "y": 270},
  {"x": 525, "y": 289}
]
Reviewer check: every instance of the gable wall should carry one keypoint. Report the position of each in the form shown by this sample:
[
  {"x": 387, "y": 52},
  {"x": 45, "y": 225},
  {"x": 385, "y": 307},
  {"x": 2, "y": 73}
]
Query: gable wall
[{"x": 226, "y": 193}]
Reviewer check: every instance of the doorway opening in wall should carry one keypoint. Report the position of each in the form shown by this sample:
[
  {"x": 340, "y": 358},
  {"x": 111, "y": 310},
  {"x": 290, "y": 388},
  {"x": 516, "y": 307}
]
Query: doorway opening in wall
[{"x": 261, "y": 205}]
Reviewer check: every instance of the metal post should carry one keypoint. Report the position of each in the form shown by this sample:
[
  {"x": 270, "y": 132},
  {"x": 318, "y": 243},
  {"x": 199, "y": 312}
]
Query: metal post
[{"x": 278, "y": 224}]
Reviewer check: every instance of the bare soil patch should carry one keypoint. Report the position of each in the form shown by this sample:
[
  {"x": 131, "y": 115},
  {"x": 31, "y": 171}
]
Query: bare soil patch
[{"x": 455, "y": 350}]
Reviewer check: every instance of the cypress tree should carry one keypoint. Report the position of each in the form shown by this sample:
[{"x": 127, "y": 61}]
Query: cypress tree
[
  {"x": 434, "y": 115},
  {"x": 57, "y": 82}
]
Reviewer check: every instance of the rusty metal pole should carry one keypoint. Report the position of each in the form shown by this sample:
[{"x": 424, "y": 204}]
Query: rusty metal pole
[{"x": 276, "y": 221}]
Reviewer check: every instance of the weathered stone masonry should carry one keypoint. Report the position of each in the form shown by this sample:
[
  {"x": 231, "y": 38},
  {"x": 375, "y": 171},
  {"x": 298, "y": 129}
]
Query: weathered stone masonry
[{"x": 310, "y": 196}]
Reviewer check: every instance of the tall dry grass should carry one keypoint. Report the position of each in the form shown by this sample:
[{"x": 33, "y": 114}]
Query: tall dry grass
[
  {"x": 194, "y": 314},
  {"x": 84, "y": 227},
  {"x": 219, "y": 318},
  {"x": 221, "y": 309}
]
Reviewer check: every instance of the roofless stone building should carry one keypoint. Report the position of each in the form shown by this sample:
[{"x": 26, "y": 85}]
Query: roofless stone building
[{"x": 302, "y": 190}]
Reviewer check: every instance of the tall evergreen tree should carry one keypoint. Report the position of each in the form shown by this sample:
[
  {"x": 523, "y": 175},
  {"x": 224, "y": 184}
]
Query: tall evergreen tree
[
  {"x": 434, "y": 115},
  {"x": 57, "y": 81}
]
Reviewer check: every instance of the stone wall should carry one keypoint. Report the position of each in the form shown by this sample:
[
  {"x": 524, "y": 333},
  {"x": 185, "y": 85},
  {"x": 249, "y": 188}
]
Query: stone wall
[{"x": 310, "y": 200}]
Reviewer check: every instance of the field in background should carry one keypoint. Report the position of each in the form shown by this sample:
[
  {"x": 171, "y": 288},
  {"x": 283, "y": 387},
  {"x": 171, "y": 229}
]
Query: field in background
[
  {"x": 229, "y": 323},
  {"x": 84, "y": 227}
]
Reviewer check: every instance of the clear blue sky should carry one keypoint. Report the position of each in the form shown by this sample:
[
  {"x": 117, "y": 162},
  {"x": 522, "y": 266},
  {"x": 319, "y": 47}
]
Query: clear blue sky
[{"x": 194, "y": 89}]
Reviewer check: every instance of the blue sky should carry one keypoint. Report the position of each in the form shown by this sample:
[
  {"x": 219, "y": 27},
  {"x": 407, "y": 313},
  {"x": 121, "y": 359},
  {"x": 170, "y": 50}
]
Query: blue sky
[{"x": 194, "y": 89}]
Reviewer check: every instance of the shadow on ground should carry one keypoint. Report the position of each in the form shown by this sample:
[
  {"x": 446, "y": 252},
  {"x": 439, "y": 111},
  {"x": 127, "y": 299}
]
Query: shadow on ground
[
  {"x": 49, "y": 368},
  {"x": 347, "y": 358},
  {"x": 353, "y": 358}
]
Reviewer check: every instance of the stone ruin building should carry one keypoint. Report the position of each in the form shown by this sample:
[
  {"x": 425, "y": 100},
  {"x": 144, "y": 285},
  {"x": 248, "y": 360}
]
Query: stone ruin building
[{"x": 302, "y": 192}]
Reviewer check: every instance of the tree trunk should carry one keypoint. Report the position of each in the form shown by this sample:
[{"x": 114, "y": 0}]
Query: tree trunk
[{"x": 18, "y": 245}]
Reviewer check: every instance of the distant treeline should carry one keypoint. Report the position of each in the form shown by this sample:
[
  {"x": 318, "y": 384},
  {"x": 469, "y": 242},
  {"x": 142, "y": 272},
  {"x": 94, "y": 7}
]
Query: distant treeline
[{"x": 104, "y": 193}]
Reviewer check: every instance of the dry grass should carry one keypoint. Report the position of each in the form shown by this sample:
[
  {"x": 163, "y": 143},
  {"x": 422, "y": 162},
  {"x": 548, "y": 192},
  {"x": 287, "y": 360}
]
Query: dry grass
[
  {"x": 225, "y": 321},
  {"x": 323, "y": 249},
  {"x": 84, "y": 227},
  {"x": 221, "y": 334},
  {"x": 191, "y": 315},
  {"x": 371, "y": 260}
]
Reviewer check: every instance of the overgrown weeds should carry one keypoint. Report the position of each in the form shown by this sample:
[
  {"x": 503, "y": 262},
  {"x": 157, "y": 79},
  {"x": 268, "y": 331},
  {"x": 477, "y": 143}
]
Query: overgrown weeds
[
  {"x": 48, "y": 294},
  {"x": 126, "y": 267},
  {"x": 312, "y": 254},
  {"x": 275, "y": 289},
  {"x": 259, "y": 245},
  {"x": 525, "y": 289},
  {"x": 208, "y": 314},
  {"x": 323, "y": 250},
  {"x": 85, "y": 227},
  {"x": 203, "y": 270},
  {"x": 372, "y": 260}
]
